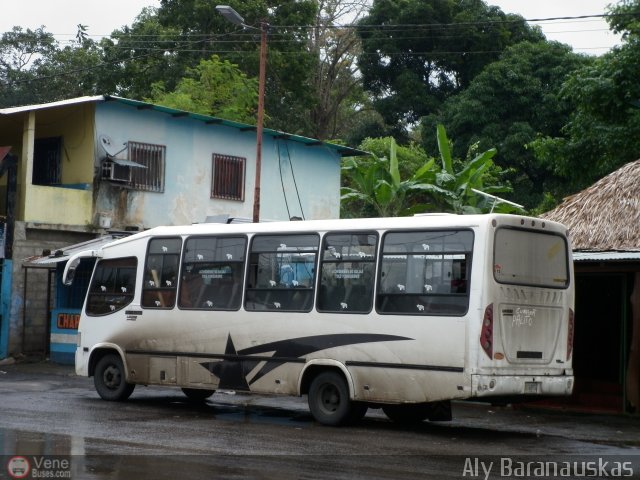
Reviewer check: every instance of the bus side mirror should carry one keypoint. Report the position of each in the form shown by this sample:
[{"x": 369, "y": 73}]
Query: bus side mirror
[{"x": 70, "y": 270}]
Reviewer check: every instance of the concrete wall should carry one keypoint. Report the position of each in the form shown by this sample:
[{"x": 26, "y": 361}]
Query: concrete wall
[
  {"x": 30, "y": 240},
  {"x": 190, "y": 145},
  {"x": 56, "y": 204}
]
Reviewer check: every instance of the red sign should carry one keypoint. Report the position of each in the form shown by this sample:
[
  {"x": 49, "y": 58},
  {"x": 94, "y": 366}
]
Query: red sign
[{"x": 68, "y": 320}]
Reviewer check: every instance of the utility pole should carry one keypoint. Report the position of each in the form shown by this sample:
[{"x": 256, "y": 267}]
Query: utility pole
[{"x": 234, "y": 17}]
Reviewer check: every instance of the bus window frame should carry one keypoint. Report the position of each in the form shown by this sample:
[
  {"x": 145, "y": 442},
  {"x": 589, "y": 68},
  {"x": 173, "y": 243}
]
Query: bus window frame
[
  {"x": 321, "y": 263},
  {"x": 243, "y": 271},
  {"x": 314, "y": 280},
  {"x": 131, "y": 296},
  {"x": 567, "y": 256},
  {"x": 469, "y": 256},
  {"x": 173, "y": 288}
]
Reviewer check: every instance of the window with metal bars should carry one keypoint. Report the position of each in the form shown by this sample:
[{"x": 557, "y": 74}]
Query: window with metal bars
[
  {"x": 47, "y": 153},
  {"x": 227, "y": 177},
  {"x": 152, "y": 158}
]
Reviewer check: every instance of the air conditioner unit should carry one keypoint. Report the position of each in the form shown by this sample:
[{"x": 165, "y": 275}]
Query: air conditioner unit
[{"x": 114, "y": 171}]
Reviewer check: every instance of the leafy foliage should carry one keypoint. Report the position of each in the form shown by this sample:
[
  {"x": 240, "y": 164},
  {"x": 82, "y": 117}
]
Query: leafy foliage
[
  {"x": 377, "y": 187},
  {"x": 600, "y": 133},
  {"x": 214, "y": 87},
  {"x": 145, "y": 53},
  {"x": 374, "y": 186},
  {"x": 477, "y": 174},
  {"x": 410, "y": 70},
  {"x": 19, "y": 50},
  {"x": 288, "y": 92},
  {"x": 514, "y": 101}
]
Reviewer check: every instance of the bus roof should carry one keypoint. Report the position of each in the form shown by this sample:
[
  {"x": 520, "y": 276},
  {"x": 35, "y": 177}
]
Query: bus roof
[{"x": 350, "y": 224}]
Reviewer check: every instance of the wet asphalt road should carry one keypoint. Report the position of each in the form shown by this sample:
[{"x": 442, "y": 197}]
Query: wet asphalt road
[{"x": 157, "y": 433}]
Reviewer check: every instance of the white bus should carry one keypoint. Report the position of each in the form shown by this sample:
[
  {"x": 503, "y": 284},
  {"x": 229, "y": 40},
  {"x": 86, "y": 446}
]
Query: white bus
[{"x": 404, "y": 314}]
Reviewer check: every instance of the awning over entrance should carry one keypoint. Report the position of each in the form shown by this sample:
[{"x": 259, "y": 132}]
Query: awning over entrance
[{"x": 62, "y": 255}]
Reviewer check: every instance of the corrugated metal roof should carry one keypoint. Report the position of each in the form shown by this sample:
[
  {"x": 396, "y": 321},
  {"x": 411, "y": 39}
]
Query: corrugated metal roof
[
  {"x": 63, "y": 254},
  {"x": 209, "y": 120},
  {"x": 61, "y": 103},
  {"x": 610, "y": 256}
]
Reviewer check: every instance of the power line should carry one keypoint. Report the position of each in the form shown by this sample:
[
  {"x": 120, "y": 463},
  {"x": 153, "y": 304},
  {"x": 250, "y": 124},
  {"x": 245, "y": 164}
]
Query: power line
[
  {"x": 186, "y": 46},
  {"x": 95, "y": 67},
  {"x": 364, "y": 26}
]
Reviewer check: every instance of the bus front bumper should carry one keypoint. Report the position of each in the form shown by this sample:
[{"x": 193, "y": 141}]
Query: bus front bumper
[{"x": 509, "y": 385}]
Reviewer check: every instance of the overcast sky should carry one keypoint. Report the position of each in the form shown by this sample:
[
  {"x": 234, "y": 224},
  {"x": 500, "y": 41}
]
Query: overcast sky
[{"x": 61, "y": 18}]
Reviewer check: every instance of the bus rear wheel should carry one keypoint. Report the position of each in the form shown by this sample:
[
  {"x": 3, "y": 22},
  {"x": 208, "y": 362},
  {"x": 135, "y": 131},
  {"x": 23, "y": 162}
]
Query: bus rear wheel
[
  {"x": 197, "y": 394},
  {"x": 329, "y": 401},
  {"x": 407, "y": 414},
  {"x": 110, "y": 379}
]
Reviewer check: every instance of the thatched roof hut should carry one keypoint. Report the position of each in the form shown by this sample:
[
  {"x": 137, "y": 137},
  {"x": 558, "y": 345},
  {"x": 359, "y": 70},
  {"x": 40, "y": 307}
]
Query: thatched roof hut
[{"x": 605, "y": 216}]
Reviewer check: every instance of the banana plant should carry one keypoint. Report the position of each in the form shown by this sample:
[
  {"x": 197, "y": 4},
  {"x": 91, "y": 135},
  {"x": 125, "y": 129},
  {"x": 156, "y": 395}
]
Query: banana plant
[
  {"x": 376, "y": 183},
  {"x": 470, "y": 179}
]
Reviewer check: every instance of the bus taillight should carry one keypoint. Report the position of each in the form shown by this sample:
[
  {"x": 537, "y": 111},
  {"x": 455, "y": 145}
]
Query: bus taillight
[
  {"x": 486, "y": 335},
  {"x": 570, "y": 330}
]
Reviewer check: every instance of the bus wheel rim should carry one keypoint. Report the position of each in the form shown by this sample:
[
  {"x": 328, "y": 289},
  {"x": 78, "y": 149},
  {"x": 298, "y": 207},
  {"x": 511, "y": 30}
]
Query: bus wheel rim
[
  {"x": 111, "y": 377},
  {"x": 330, "y": 398}
]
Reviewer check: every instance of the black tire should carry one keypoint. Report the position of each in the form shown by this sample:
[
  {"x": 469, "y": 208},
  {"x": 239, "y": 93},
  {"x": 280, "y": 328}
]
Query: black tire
[
  {"x": 407, "y": 414},
  {"x": 358, "y": 411},
  {"x": 329, "y": 400},
  {"x": 197, "y": 394},
  {"x": 109, "y": 379},
  {"x": 440, "y": 411}
]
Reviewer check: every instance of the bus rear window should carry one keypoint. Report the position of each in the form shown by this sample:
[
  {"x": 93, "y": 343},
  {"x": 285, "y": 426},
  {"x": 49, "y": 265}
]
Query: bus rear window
[{"x": 525, "y": 257}]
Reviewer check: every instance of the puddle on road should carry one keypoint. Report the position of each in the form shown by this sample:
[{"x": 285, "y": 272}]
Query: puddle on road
[
  {"x": 221, "y": 410},
  {"x": 47, "y": 455}
]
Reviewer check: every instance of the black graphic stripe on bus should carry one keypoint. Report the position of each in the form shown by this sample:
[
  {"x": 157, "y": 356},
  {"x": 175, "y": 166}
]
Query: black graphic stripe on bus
[
  {"x": 406, "y": 366},
  {"x": 232, "y": 371}
]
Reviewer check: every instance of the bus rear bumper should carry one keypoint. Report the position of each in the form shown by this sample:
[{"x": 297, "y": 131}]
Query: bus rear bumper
[{"x": 508, "y": 385}]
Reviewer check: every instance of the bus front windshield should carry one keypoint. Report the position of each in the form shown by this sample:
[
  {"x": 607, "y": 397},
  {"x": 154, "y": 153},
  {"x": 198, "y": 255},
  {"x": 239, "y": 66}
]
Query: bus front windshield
[{"x": 525, "y": 257}]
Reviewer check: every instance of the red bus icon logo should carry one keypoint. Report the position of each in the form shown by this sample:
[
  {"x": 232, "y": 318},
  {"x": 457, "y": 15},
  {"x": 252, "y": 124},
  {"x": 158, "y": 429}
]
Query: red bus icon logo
[{"x": 18, "y": 467}]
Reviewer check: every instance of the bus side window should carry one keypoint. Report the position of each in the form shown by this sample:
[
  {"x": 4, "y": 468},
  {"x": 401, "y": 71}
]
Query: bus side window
[
  {"x": 212, "y": 273},
  {"x": 161, "y": 273},
  {"x": 347, "y": 273},
  {"x": 282, "y": 272},
  {"x": 425, "y": 273},
  {"x": 113, "y": 286}
]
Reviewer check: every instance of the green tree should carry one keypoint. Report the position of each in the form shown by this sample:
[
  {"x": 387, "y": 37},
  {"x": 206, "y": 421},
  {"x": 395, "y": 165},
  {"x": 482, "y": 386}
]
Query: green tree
[
  {"x": 288, "y": 93},
  {"x": 72, "y": 71},
  {"x": 416, "y": 53},
  {"x": 19, "y": 49},
  {"x": 601, "y": 133},
  {"x": 514, "y": 101},
  {"x": 214, "y": 87},
  {"x": 144, "y": 53},
  {"x": 337, "y": 90}
]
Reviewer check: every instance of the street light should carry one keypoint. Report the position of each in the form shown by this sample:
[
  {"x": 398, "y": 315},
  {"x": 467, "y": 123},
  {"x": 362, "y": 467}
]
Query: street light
[{"x": 234, "y": 17}]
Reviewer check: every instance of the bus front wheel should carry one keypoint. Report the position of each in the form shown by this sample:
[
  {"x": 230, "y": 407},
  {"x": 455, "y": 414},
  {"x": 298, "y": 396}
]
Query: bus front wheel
[
  {"x": 110, "y": 380},
  {"x": 329, "y": 400}
]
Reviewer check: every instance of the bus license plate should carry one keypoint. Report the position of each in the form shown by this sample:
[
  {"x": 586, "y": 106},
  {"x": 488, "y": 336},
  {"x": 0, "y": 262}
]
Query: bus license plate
[{"x": 531, "y": 387}]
